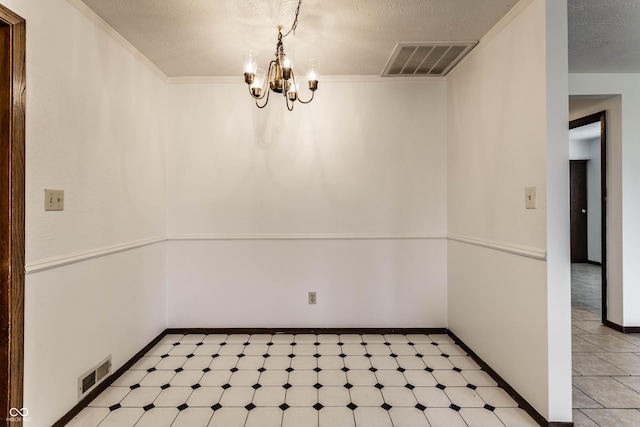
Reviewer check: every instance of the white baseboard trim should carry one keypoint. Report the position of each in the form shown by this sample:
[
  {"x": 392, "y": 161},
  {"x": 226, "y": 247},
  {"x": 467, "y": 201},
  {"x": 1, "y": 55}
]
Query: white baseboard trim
[{"x": 414, "y": 236}]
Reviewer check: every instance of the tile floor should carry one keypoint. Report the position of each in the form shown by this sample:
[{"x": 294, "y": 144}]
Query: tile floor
[
  {"x": 606, "y": 363},
  {"x": 304, "y": 381}
]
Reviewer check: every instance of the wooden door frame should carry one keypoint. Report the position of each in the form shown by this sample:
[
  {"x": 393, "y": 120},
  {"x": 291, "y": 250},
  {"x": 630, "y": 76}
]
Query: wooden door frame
[
  {"x": 602, "y": 118},
  {"x": 12, "y": 175}
]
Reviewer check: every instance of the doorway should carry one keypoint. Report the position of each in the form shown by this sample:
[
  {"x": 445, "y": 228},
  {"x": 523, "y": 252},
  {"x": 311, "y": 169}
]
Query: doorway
[
  {"x": 588, "y": 160},
  {"x": 12, "y": 148}
]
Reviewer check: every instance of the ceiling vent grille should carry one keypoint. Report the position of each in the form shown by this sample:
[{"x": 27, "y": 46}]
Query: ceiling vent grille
[{"x": 433, "y": 59}]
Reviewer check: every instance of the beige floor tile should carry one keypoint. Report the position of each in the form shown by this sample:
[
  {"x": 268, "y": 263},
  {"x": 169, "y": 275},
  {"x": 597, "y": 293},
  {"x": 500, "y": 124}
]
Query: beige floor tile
[
  {"x": 614, "y": 417},
  {"x": 608, "y": 392}
]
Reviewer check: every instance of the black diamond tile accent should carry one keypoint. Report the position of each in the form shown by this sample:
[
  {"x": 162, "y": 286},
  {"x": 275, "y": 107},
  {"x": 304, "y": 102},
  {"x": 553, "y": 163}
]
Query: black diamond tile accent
[
  {"x": 372, "y": 369},
  {"x": 444, "y": 355},
  {"x": 234, "y": 369},
  {"x": 247, "y": 343},
  {"x": 151, "y": 370},
  {"x": 176, "y": 343},
  {"x": 454, "y": 407},
  {"x": 400, "y": 369},
  {"x": 363, "y": 343},
  {"x": 195, "y": 386},
  {"x": 226, "y": 386},
  {"x": 342, "y": 355},
  {"x": 316, "y": 343},
  {"x": 215, "y": 355},
  {"x": 409, "y": 386},
  {"x": 294, "y": 343},
  {"x": 178, "y": 370},
  {"x": 241, "y": 355},
  {"x": 318, "y": 386},
  {"x": 114, "y": 407},
  {"x": 223, "y": 343},
  {"x": 393, "y": 355},
  {"x": 489, "y": 407},
  {"x": 352, "y": 406},
  {"x": 135, "y": 386},
  {"x": 347, "y": 386},
  {"x": 206, "y": 370},
  {"x": 289, "y": 369},
  {"x": 164, "y": 355},
  {"x": 256, "y": 386},
  {"x": 345, "y": 369},
  {"x": 269, "y": 343},
  {"x": 266, "y": 355},
  {"x": 340, "y": 343},
  {"x": 367, "y": 355},
  {"x": 441, "y": 387},
  {"x": 471, "y": 386},
  {"x": 189, "y": 356},
  {"x": 284, "y": 406},
  {"x": 165, "y": 386},
  {"x": 457, "y": 369},
  {"x": 317, "y": 369},
  {"x": 261, "y": 370},
  {"x": 428, "y": 369},
  {"x": 410, "y": 343},
  {"x": 148, "y": 407},
  {"x": 385, "y": 406},
  {"x": 250, "y": 406},
  {"x": 434, "y": 343},
  {"x": 318, "y": 406},
  {"x": 387, "y": 343},
  {"x": 216, "y": 406},
  {"x": 286, "y": 386},
  {"x": 183, "y": 407},
  {"x": 420, "y": 407},
  {"x": 292, "y": 355},
  {"x": 199, "y": 344},
  {"x": 316, "y": 355},
  {"x": 419, "y": 355},
  {"x": 379, "y": 386}
]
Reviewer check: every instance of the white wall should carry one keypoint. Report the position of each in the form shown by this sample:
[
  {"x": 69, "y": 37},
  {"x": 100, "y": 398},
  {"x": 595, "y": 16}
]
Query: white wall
[
  {"x": 593, "y": 94},
  {"x": 96, "y": 127},
  {"x": 499, "y": 140},
  {"x": 343, "y": 180}
]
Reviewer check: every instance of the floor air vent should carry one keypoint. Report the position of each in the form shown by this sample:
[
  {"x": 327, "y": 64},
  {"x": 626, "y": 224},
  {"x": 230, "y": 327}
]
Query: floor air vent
[
  {"x": 91, "y": 378},
  {"x": 434, "y": 59}
]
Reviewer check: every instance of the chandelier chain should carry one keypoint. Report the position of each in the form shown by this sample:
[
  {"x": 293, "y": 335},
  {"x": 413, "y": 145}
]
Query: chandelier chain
[{"x": 295, "y": 21}]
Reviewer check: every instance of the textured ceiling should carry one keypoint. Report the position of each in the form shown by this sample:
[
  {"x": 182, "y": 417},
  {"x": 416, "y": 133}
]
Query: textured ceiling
[
  {"x": 604, "y": 36},
  {"x": 348, "y": 37}
]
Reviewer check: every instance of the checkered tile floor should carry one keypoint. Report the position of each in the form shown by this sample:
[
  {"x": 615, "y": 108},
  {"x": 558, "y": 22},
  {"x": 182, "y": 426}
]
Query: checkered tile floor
[{"x": 304, "y": 381}]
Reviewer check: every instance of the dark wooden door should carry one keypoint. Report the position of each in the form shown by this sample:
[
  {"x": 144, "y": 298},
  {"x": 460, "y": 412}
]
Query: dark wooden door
[{"x": 579, "y": 211}]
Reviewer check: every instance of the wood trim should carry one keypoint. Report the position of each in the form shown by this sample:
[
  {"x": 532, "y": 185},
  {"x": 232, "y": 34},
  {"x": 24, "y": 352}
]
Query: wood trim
[
  {"x": 587, "y": 120},
  {"x": 537, "y": 416},
  {"x": 66, "y": 418},
  {"x": 620, "y": 328},
  {"x": 524, "y": 251},
  {"x": 13, "y": 175},
  {"x": 273, "y": 331}
]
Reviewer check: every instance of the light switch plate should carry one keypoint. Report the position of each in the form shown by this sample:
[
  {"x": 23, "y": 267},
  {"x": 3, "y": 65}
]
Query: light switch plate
[
  {"x": 53, "y": 200},
  {"x": 312, "y": 298},
  {"x": 530, "y": 197}
]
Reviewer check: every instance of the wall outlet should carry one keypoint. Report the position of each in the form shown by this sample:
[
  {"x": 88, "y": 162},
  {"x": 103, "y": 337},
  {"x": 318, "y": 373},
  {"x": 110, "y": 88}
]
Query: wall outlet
[
  {"x": 312, "y": 297},
  {"x": 530, "y": 197},
  {"x": 53, "y": 200}
]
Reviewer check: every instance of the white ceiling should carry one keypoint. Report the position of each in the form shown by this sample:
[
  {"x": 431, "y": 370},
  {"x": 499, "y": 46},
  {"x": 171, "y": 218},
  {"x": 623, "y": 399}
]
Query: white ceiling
[{"x": 348, "y": 37}]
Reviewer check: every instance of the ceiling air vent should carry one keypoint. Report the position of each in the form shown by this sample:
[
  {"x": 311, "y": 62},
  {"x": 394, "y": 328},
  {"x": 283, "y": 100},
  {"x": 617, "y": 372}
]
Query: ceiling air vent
[{"x": 433, "y": 59}]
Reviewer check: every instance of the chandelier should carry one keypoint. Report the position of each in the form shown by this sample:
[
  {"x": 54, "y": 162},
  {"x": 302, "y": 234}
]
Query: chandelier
[{"x": 280, "y": 77}]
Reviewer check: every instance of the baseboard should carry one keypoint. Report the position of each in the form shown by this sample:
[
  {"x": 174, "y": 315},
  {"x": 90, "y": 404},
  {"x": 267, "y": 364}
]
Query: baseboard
[
  {"x": 594, "y": 263},
  {"x": 106, "y": 383},
  {"x": 623, "y": 329},
  {"x": 537, "y": 416},
  {"x": 306, "y": 331},
  {"x": 501, "y": 382}
]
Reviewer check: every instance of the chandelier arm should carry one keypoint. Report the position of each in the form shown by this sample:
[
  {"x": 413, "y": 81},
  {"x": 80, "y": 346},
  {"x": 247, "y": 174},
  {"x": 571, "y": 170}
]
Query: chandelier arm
[
  {"x": 306, "y": 102},
  {"x": 265, "y": 102}
]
